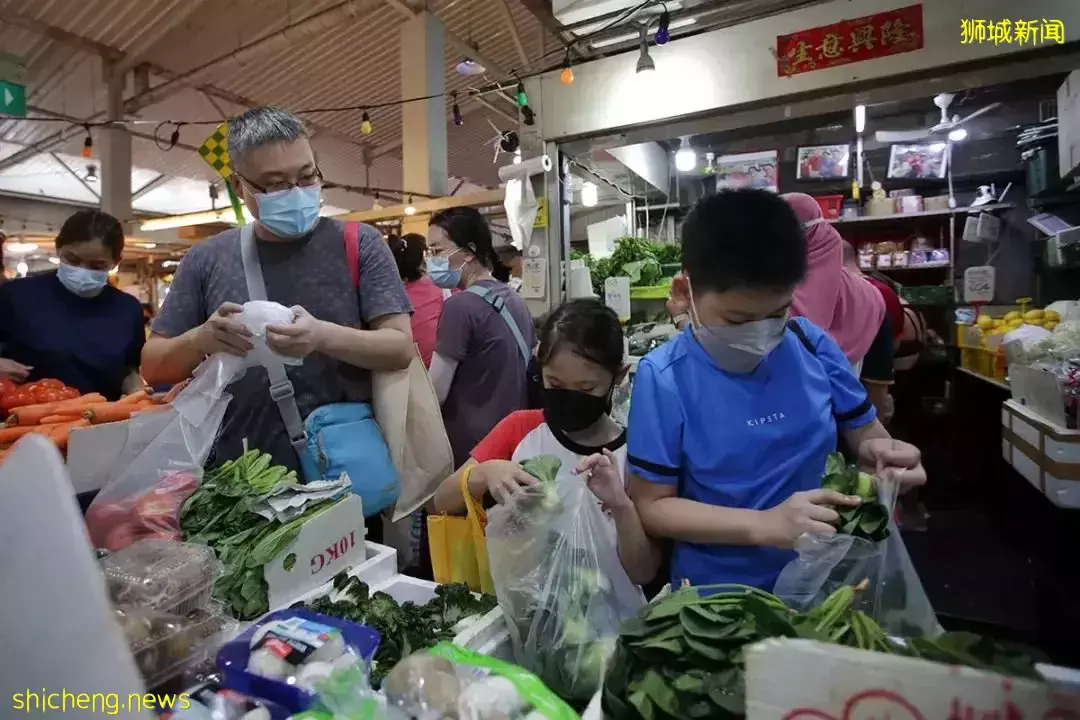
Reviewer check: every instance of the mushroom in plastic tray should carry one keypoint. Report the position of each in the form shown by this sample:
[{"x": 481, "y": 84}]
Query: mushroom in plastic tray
[
  {"x": 164, "y": 575},
  {"x": 164, "y": 644}
]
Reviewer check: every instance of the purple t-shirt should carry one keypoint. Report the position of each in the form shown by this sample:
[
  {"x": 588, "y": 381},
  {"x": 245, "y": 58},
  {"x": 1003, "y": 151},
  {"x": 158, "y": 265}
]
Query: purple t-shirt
[{"x": 490, "y": 380}]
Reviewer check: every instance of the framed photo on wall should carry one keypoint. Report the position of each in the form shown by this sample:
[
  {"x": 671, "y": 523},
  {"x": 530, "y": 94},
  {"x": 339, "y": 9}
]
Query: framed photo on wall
[
  {"x": 923, "y": 161},
  {"x": 756, "y": 170},
  {"x": 823, "y": 162}
]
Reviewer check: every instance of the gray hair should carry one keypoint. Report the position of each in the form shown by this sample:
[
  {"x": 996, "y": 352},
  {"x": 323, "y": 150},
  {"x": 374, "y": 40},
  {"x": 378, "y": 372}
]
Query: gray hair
[{"x": 260, "y": 126}]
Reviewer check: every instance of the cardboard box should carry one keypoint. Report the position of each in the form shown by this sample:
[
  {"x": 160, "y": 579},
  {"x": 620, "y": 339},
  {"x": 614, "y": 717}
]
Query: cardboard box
[
  {"x": 100, "y": 453},
  {"x": 801, "y": 679},
  {"x": 379, "y": 564},
  {"x": 326, "y": 545},
  {"x": 1046, "y": 454}
]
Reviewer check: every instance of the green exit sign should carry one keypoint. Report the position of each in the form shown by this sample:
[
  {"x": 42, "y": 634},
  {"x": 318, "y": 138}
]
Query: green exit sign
[{"x": 12, "y": 99}]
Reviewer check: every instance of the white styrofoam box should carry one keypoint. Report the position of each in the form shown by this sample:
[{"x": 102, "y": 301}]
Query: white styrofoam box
[
  {"x": 327, "y": 544},
  {"x": 796, "y": 679},
  {"x": 95, "y": 453},
  {"x": 1041, "y": 452},
  {"x": 474, "y": 633},
  {"x": 378, "y": 566}
]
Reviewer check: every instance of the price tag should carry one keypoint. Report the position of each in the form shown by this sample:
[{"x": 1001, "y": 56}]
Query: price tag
[
  {"x": 617, "y": 296},
  {"x": 533, "y": 278},
  {"x": 979, "y": 284}
]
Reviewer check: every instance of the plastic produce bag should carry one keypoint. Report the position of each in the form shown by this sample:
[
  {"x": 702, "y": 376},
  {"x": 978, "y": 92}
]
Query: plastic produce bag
[
  {"x": 145, "y": 498},
  {"x": 558, "y": 578},
  {"x": 894, "y": 598}
]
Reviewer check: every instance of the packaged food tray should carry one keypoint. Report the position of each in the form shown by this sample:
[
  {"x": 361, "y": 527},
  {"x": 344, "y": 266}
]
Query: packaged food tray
[
  {"x": 165, "y": 645},
  {"x": 162, "y": 575}
]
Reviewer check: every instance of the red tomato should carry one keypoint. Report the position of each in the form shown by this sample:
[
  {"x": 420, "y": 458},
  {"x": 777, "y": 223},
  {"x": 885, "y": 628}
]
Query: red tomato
[
  {"x": 47, "y": 395},
  {"x": 123, "y": 535},
  {"x": 51, "y": 384},
  {"x": 103, "y": 517},
  {"x": 70, "y": 393},
  {"x": 6, "y": 384},
  {"x": 15, "y": 399}
]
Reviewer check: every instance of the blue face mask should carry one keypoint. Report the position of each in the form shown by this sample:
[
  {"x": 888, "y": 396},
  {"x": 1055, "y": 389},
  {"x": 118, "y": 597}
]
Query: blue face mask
[
  {"x": 438, "y": 269},
  {"x": 80, "y": 281},
  {"x": 289, "y": 213}
]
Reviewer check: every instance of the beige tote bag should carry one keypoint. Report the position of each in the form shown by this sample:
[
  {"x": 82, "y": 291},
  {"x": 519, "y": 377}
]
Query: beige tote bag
[{"x": 408, "y": 412}]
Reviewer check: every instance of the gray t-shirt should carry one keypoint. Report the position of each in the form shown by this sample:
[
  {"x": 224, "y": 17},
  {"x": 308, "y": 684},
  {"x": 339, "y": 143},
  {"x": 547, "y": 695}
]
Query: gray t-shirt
[
  {"x": 490, "y": 380},
  {"x": 310, "y": 272}
]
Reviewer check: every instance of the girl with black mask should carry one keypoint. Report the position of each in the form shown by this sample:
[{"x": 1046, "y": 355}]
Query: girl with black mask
[{"x": 581, "y": 362}]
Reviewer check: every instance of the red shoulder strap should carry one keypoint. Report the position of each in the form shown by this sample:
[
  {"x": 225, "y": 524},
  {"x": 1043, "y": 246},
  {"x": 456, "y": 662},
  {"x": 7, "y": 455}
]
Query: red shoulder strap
[{"x": 352, "y": 251}]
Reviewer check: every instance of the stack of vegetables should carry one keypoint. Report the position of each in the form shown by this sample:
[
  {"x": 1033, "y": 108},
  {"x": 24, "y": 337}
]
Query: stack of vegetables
[
  {"x": 49, "y": 408},
  {"x": 222, "y": 513},
  {"x": 403, "y": 628},
  {"x": 683, "y": 656},
  {"x": 641, "y": 259}
]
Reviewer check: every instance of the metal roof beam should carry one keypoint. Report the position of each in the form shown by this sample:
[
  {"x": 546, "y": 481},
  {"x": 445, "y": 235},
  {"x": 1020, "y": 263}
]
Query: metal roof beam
[
  {"x": 508, "y": 18},
  {"x": 75, "y": 175},
  {"x": 169, "y": 19}
]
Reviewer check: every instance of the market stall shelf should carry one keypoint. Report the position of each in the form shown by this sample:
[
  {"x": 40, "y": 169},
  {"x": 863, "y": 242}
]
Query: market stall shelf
[{"x": 922, "y": 214}]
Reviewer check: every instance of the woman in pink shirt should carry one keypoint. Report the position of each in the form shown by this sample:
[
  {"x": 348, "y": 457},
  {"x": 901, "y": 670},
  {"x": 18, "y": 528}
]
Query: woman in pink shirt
[{"x": 425, "y": 296}]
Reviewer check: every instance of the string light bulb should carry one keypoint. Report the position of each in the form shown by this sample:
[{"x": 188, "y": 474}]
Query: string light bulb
[
  {"x": 365, "y": 124},
  {"x": 409, "y": 209},
  {"x": 88, "y": 144},
  {"x": 527, "y": 115},
  {"x": 567, "y": 75},
  {"x": 522, "y": 96},
  {"x": 663, "y": 33},
  {"x": 590, "y": 195},
  {"x": 456, "y": 112}
]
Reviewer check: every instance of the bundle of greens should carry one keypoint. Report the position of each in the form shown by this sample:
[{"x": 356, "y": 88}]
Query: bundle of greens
[
  {"x": 639, "y": 258},
  {"x": 870, "y": 519},
  {"x": 683, "y": 656},
  {"x": 221, "y": 514},
  {"x": 404, "y": 628}
]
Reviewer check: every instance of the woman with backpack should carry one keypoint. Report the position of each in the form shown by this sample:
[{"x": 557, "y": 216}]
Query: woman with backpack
[{"x": 485, "y": 336}]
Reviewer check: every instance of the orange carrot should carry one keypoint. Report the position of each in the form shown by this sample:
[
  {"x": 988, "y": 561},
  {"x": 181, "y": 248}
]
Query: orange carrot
[
  {"x": 133, "y": 398},
  {"x": 108, "y": 412},
  {"x": 59, "y": 435},
  {"x": 88, "y": 399},
  {"x": 152, "y": 408},
  {"x": 60, "y": 417},
  {"x": 30, "y": 414},
  {"x": 11, "y": 434}
]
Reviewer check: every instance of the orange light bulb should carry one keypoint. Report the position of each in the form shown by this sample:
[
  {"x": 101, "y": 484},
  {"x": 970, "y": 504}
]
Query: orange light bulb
[{"x": 567, "y": 76}]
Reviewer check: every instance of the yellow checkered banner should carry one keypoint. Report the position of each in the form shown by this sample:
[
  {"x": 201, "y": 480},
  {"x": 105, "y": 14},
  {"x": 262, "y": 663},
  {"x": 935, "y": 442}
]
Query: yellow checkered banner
[{"x": 215, "y": 151}]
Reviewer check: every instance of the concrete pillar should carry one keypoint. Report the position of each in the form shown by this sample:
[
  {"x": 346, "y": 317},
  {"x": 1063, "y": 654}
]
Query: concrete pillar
[
  {"x": 115, "y": 155},
  {"x": 423, "y": 124}
]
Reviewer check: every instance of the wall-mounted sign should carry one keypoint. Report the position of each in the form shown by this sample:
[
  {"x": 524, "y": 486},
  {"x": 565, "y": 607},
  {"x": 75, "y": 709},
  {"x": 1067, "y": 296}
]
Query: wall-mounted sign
[
  {"x": 541, "y": 214},
  {"x": 872, "y": 36}
]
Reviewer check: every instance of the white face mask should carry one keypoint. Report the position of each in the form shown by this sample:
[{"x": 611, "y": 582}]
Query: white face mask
[{"x": 738, "y": 348}]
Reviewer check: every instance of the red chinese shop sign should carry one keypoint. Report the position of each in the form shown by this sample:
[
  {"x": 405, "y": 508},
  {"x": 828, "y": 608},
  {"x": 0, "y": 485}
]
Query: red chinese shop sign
[{"x": 848, "y": 41}]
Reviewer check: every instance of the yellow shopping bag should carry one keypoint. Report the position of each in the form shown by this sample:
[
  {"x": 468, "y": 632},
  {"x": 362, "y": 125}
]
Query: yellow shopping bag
[{"x": 458, "y": 546}]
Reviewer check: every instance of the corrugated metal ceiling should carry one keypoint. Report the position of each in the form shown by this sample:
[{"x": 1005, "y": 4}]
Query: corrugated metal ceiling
[{"x": 353, "y": 62}]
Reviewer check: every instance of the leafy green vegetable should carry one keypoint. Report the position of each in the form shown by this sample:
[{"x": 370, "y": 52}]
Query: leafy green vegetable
[
  {"x": 683, "y": 655},
  {"x": 220, "y": 514},
  {"x": 868, "y": 520},
  {"x": 404, "y": 628},
  {"x": 645, "y": 258}
]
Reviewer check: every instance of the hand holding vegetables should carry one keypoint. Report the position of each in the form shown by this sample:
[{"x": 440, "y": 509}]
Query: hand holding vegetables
[
  {"x": 903, "y": 459},
  {"x": 604, "y": 480},
  {"x": 805, "y": 512},
  {"x": 224, "y": 333},
  {"x": 499, "y": 478}
]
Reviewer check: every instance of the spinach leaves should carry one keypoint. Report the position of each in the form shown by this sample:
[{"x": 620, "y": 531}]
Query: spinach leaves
[
  {"x": 683, "y": 656},
  {"x": 404, "y": 628},
  {"x": 868, "y": 520}
]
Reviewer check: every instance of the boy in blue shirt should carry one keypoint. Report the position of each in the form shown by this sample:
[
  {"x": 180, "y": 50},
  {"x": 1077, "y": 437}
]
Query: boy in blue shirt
[{"x": 731, "y": 421}]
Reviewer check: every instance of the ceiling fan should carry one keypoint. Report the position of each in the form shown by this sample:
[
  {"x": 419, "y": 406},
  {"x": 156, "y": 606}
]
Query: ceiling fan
[{"x": 944, "y": 127}]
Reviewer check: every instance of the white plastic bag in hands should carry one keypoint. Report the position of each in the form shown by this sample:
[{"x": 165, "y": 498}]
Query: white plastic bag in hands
[{"x": 256, "y": 315}]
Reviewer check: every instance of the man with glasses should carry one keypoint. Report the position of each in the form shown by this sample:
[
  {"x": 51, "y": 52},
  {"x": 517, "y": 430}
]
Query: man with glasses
[{"x": 340, "y": 331}]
